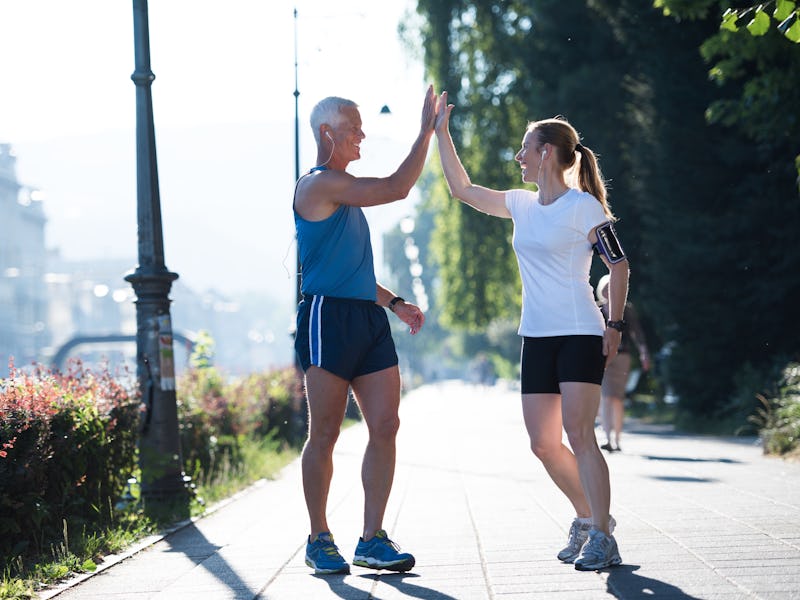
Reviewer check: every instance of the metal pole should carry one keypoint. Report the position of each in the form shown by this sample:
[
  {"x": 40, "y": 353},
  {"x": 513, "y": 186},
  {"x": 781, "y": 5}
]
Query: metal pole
[
  {"x": 296, "y": 146},
  {"x": 298, "y": 295},
  {"x": 159, "y": 448}
]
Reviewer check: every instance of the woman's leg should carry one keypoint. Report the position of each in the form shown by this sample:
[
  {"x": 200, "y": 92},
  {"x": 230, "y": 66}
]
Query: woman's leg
[
  {"x": 579, "y": 407},
  {"x": 542, "y": 414}
]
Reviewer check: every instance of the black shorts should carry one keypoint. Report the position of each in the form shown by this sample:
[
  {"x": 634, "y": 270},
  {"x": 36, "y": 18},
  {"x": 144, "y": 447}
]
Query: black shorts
[
  {"x": 347, "y": 337},
  {"x": 548, "y": 361}
]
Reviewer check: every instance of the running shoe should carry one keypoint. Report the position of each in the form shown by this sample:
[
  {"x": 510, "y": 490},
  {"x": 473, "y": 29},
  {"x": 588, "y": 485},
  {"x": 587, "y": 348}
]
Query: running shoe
[
  {"x": 576, "y": 538},
  {"x": 382, "y": 553},
  {"x": 323, "y": 556},
  {"x": 599, "y": 551}
]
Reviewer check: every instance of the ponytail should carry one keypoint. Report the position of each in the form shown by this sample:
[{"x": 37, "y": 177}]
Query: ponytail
[{"x": 591, "y": 179}]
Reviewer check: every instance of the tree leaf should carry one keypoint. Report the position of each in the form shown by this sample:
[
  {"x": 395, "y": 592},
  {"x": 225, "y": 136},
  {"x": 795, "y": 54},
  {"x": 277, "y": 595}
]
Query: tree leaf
[
  {"x": 783, "y": 8},
  {"x": 729, "y": 20},
  {"x": 760, "y": 23},
  {"x": 793, "y": 33}
]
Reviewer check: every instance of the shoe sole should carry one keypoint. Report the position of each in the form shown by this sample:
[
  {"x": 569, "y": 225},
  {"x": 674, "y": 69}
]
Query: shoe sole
[
  {"x": 570, "y": 559},
  {"x": 617, "y": 560},
  {"x": 371, "y": 563},
  {"x": 344, "y": 570}
]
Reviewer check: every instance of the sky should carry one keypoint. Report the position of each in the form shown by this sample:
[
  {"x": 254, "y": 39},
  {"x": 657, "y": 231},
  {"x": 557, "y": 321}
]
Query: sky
[{"x": 224, "y": 107}]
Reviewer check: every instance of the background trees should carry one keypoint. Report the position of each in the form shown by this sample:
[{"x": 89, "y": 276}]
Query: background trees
[{"x": 697, "y": 131}]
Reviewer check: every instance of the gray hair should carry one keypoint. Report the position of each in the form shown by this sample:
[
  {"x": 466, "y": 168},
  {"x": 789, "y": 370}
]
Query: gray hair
[{"x": 327, "y": 112}]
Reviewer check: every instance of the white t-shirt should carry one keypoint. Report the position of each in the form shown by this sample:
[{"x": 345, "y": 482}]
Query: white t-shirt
[{"x": 554, "y": 257}]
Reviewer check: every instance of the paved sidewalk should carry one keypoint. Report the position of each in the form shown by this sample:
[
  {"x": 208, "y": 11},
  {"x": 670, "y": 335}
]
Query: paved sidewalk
[{"x": 697, "y": 518}]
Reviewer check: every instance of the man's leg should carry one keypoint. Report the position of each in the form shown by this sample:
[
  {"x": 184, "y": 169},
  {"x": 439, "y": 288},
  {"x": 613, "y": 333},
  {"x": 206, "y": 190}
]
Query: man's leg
[
  {"x": 327, "y": 401},
  {"x": 378, "y": 395}
]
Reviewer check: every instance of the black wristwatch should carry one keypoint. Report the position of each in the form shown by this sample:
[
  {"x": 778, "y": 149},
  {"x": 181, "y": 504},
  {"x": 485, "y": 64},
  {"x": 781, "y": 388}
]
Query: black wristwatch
[
  {"x": 394, "y": 301},
  {"x": 618, "y": 325}
]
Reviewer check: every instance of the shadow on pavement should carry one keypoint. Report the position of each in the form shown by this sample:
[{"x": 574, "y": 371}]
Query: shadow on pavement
[
  {"x": 343, "y": 590},
  {"x": 397, "y": 581},
  {"x": 624, "y": 583},
  {"x": 195, "y": 546},
  {"x": 727, "y": 461},
  {"x": 683, "y": 479}
]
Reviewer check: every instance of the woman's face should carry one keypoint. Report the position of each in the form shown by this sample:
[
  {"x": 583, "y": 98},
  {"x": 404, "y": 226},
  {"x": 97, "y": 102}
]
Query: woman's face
[{"x": 529, "y": 158}]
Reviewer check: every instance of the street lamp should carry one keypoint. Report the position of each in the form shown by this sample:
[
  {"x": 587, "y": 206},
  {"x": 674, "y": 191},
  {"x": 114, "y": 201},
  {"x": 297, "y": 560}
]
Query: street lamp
[{"x": 159, "y": 447}]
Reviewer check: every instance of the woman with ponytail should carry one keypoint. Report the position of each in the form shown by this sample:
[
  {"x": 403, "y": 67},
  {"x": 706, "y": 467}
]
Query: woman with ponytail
[{"x": 566, "y": 342}]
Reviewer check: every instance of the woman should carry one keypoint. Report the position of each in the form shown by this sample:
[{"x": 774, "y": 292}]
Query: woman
[
  {"x": 615, "y": 380},
  {"x": 565, "y": 341}
]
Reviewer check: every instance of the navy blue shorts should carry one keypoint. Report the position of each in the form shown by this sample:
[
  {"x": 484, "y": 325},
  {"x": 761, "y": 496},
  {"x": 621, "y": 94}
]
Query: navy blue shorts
[
  {"x": 548, "y": 361},
  {"x": 346, "y": 337}
]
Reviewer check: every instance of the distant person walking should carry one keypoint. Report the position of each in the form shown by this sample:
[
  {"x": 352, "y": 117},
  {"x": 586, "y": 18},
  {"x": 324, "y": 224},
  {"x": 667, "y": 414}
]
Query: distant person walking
[
  {"x": 343, "y": 337},
  {"x": 615, "y": 379},
  {"x": 566, "y": 342}
]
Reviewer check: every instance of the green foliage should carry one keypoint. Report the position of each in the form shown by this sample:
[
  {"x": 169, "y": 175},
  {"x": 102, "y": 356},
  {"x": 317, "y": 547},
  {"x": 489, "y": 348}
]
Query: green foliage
[
  {"x": 216, "y": 415},
  {"x": 68, "y": 447},
  {"x": 786, "y": 16},
  {"x": 779, "y": 416}
]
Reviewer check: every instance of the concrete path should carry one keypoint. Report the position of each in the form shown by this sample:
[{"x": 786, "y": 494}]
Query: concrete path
[{"x": 697, "y": 517}]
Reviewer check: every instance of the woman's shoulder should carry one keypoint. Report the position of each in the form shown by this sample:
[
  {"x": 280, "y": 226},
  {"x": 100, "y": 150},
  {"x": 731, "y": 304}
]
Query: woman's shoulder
[
  {"x": 522, "y": 194},
  {"x": 519, "y": 198},
  {"x": 579, "y": 196},
  {"x": 586, "y": 202}
]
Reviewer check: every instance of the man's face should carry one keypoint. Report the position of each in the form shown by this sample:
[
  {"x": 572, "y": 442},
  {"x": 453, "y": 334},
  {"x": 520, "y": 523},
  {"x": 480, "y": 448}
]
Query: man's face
[{"x": 347, "y": 135}]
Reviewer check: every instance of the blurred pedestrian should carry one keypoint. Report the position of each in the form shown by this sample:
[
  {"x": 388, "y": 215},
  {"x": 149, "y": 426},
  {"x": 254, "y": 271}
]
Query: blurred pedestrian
[
  {"x": 565, "y": 342},
  {"x": 343, "y": 338},
  {"x": 615, "y": 379}
]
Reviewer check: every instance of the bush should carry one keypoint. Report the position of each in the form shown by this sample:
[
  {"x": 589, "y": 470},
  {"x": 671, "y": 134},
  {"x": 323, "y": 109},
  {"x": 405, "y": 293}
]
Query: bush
[
  {"x": 780, "y": 416},
  {"x": 215, "y": 415},
  {"x": 67, "y": 447}
]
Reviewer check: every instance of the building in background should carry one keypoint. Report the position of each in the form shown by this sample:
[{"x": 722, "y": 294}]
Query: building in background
[
  {"x": 47, "y": 301},
  {"x": 23, "y": 258}
]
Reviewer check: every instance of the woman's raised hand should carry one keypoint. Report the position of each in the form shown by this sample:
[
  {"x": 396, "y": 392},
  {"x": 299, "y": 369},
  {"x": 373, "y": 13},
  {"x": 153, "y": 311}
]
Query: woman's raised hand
[{"x": 442, "y": 114}]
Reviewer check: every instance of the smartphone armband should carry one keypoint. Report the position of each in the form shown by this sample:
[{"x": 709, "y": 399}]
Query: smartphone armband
[{"x": 608, "y": 244}]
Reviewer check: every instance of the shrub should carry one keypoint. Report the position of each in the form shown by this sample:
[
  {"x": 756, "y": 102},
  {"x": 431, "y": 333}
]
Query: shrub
[
  {"x": 779, "y": 418},
  {"x": 215, "y": 415},
  {"x": 67, "y": 447}
]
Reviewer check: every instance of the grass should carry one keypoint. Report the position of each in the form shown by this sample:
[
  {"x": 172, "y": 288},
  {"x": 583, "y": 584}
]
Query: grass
[{"x": 81, "y": 552}]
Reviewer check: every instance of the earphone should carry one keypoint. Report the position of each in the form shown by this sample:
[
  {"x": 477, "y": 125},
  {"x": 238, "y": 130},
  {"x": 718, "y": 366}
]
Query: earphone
[
  {"x": 328, "y": 133},
  {"x": 544, "y": 153}
]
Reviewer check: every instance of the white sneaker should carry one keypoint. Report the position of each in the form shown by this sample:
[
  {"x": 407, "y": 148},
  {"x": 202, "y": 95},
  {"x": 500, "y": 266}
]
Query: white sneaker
[
  {"x": 578, "y": 534},
  {"x": 599, "y": 552}
]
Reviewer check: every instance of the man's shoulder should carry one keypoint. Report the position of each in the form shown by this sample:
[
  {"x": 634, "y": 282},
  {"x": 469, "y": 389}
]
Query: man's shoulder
[{"x": 313, "y": 197}]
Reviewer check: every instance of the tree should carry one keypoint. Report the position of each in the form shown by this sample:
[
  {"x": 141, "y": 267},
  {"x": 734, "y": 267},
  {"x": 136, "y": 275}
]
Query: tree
[
  {"x": 697, "y": 160},
  {"x": 753, "y": 117}
]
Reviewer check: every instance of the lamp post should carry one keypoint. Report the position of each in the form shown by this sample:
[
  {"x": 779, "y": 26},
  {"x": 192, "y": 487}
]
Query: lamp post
[
  {"x": 159, "y": 448},
  {"x": 297, "y": 283}
]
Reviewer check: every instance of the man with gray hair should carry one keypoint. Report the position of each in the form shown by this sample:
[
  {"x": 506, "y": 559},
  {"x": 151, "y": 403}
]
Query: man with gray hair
[{"x": 343, "y": 337}]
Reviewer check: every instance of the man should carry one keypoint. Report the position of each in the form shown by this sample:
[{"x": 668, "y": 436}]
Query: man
[{"x": 343, "y": 338}]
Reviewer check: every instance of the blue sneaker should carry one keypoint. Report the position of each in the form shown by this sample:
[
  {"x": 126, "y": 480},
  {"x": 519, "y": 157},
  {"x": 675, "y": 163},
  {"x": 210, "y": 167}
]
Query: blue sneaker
[
  {"x": 382, "y": 553},
  {"x": 323, "y": 556}
]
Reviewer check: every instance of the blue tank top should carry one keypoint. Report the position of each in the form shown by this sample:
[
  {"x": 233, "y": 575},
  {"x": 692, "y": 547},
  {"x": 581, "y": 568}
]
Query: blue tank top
[{"x": 336, "y": 255}]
